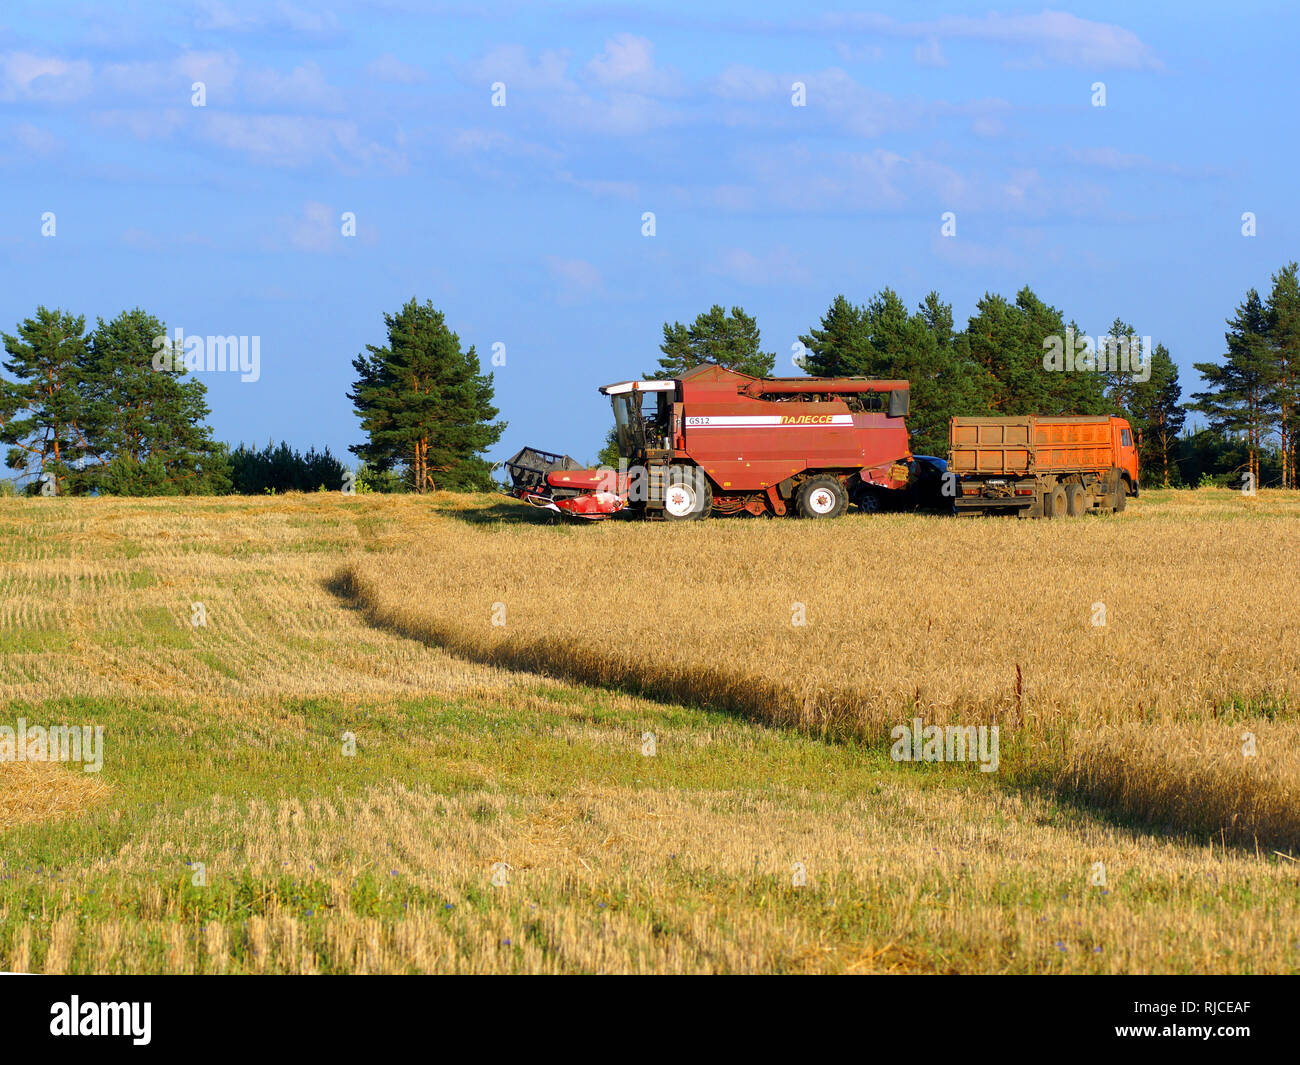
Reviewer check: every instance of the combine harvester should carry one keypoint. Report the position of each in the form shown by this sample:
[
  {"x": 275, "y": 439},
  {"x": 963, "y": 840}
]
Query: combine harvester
[
  {"x": 718, "y": 441},
  {"x": 715, "y": 441}
]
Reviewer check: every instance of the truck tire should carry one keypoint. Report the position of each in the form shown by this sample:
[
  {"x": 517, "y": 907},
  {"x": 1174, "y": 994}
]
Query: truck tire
[
  {"x": 867, "y": 499},
  {"x": 1076, "y": 500},
  {"x": 821, "y": 497},
  {"x": 688, "y": 496},
  {"x": 1054, "y": 502},
  {"x": 1121, "y": 495}
]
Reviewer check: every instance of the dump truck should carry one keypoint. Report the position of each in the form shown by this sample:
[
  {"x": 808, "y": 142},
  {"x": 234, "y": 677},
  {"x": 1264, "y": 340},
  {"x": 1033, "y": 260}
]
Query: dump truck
[
  {"x": 1041, "y": 467},
  {"x": 716, "y": 441}
]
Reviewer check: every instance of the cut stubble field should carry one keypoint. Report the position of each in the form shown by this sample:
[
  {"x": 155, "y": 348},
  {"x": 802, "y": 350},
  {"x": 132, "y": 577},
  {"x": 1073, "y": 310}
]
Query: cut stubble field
[{"x": 500, "y": 675}]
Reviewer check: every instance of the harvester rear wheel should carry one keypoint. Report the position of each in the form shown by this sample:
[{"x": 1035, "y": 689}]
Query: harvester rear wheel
[{"x": 821, "y": 497}]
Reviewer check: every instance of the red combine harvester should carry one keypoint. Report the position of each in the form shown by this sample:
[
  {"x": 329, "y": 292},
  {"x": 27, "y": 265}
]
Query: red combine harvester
[{"x": 718, "y": 441}]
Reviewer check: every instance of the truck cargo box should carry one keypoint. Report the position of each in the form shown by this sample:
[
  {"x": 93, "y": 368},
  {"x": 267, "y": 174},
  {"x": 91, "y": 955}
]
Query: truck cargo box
[{"x": 1031, "y": 444}]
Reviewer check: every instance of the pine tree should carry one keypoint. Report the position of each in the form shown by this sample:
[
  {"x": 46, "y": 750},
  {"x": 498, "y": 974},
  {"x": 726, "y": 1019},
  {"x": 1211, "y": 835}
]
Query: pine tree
[
  {"x": 730, "y": 340},
  {"x": 842, "y": 346},
  {"x": 148, "y": 425},
  {"x": 884, "y": 340},
  {"x": 1156, "y": 410},
  {"x": 1240, "y": 393},
  {"x": 41, "y": 408},
  {"x": 946, "y": 381},
  {"x": 989, "y": 332},
  {"x": 1284, "y": 340},
  {"x": 1120, "y": 384},
  {"x": 423, "y": 402}
]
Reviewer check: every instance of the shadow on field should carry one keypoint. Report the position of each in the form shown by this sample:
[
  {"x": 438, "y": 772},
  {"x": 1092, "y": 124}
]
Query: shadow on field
[
  {"x": 502, "y": 512},
  {"x": 1198, "y": 811},
  {"x": 742, "y": 698}
]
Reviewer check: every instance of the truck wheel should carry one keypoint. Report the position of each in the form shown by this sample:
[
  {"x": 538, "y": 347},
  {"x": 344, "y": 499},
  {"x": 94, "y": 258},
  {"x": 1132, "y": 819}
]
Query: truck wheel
[
  {"x": 1054, "y": 502},
  {"x": 1076, "y": 501},
  {"x": 867, "y": 500},
  {"x": 1121, "y": 495},
  {"x": 821, "y": 497},
  {"x": 688, "y": 496}
]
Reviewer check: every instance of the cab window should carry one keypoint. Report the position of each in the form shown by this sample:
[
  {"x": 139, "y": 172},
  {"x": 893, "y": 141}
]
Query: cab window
[{"x": 1126, "y": 437}]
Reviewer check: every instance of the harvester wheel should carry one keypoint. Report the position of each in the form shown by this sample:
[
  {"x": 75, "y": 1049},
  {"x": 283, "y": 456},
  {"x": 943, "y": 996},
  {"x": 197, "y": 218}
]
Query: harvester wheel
[
  {"x": 1054, "y": 502},
  {"x": 821, "y": 497},
  {"x": 688, "y": 496},
  {"x": 1076, "y": 501}
]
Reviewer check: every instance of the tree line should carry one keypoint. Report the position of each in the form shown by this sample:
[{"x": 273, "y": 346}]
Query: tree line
[
  {"x": 114, "y": 411},
  {"x": 97, "y": 412},
  {"x": 1022, "y": 356}
]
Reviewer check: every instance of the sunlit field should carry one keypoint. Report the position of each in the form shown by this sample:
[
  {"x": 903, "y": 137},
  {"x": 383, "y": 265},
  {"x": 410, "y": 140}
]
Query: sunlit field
[{"x": 447, "y": 735}]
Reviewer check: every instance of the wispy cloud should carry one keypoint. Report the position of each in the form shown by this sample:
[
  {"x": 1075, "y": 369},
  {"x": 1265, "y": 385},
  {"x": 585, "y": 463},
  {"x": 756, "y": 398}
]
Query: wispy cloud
[
  {"x": 576, "y": 280},
  {"x": 391, "y": 69},
  {"x": 1034, "y": 40}
]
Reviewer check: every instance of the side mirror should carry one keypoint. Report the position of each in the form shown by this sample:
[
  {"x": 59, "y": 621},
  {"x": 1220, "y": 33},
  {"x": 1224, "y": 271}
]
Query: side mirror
[
  {"x": 899, "y": 402},
  {"x": 1139, "y": 439}
]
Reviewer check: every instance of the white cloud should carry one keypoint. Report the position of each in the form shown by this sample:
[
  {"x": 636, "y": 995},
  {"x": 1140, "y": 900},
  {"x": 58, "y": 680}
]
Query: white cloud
[
  {"x": 1049, "y": 36},
  {"x": 779, "y": 266},
  {"x": 34, "y": 141},
  {"x": 577, "y": 280},
  {"x": 389, "y": 68},
  {"x": 929, "y": 53},
  {"x": 628, "y": 64},
  {"x": 512, "y": 64},
  {"x": 141, "y": 239},
  {"x": 299, "y": 140},
  {"x": 219, "y": 16},
  {"x": 832, "y": 96},
  {"x": 627, "y": 191},
  {"x": 316, "y": 230},
  {"x": 143, "y": 124},
  {"x": 303, "y": 87},
  {"x": 43, "y": 79},
  {"x": 622, "y": 114}
]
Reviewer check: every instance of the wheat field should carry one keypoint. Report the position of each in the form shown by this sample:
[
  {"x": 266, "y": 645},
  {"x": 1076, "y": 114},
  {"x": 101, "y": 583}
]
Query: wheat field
[
  {"x": 1123, "y": 658},
  {"x": 645, "y": 747}
]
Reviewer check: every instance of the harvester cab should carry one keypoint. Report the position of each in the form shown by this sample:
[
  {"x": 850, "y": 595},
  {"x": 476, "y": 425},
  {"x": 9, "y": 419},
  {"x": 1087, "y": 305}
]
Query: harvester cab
[{"x": 643, "y": 413}]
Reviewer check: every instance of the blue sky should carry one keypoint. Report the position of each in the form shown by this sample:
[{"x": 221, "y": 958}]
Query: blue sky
[{"x": 524, "y": 222}]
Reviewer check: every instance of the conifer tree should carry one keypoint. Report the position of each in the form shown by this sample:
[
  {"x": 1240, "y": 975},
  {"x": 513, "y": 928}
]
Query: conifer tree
[
  {"x": 41, "y": 407},
  {"x": 424, "y": 404},
  {"x": 730, "y": 340}
]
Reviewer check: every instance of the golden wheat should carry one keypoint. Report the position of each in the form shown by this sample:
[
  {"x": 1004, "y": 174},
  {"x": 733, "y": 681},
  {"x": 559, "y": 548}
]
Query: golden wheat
[{"x": 1125, "y": 658}]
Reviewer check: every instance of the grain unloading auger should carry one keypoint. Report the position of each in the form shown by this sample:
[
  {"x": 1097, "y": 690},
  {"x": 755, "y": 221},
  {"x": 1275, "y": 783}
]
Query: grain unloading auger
[{"x": 715, "y": 441}]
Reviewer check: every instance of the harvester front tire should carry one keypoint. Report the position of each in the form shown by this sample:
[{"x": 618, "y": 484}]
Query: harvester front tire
[
  {"x": 821, "y": 497},
  {"x": 688, "y": 496}
]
